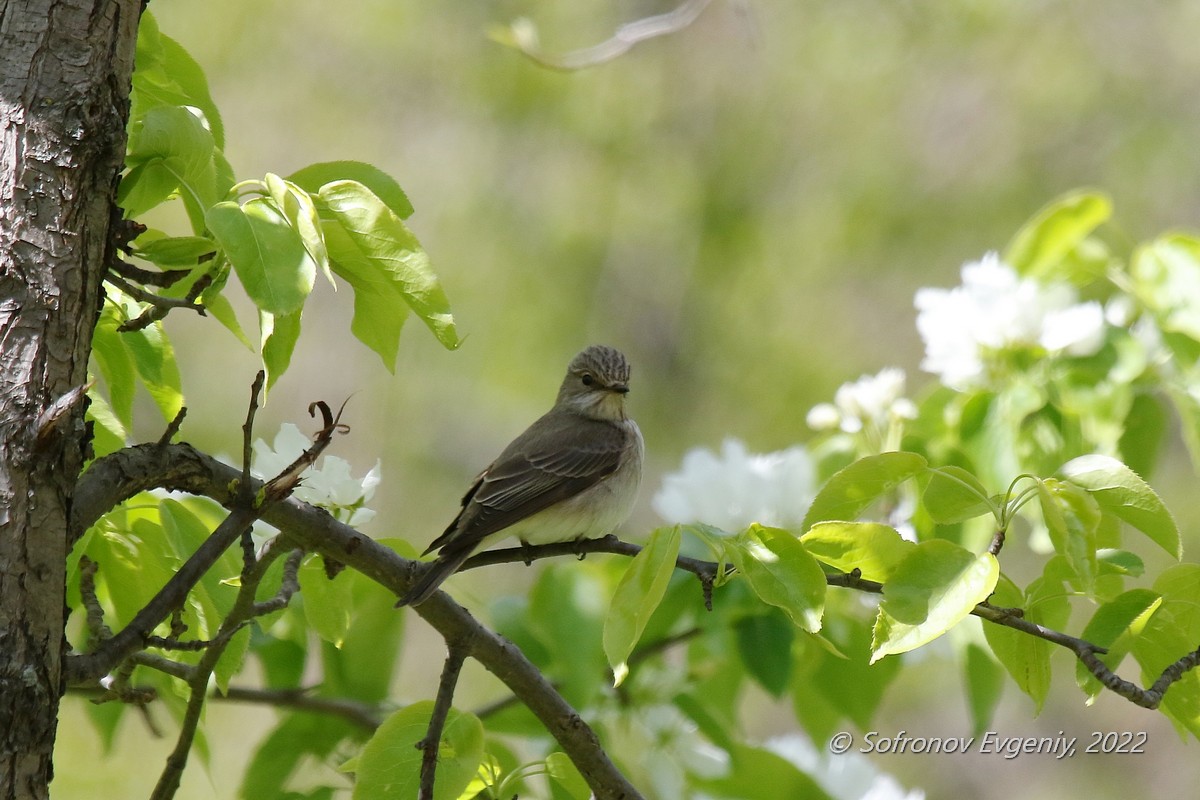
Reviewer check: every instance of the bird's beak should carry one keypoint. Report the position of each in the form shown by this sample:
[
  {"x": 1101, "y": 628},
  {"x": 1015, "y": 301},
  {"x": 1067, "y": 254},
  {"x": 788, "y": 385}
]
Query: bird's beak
[{"x": 619, "y": 388}]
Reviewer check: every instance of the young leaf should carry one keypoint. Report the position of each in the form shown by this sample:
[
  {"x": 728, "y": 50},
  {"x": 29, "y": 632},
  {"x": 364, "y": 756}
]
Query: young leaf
[
  {"x": 931, "y": 591},
  {"x": 384, "y": 186},
  {"x": 173, "y": 145},
  {"x": 390, "y": 765},
  {"x": 379, "y": 253},
  {"x": 765, "y": 646},
  {"x": 1055, "y": 231},
  {"x": 266, "y": 252},
  {"x": 327, "y": 603},
  {"x": 564, "y": 772},
  {"x": 641, "y": 589},
  {"x": 870, "y": 547},
  {"x": 1120, "y": 491},
  {"x": 1171, "y": 633},
  {"x": 1025, "y": 657},
  {"x": 301, "y": 212},
  {"x": 852, "y": 489},
  {"x": 175, "y": 251},
  {"x": 1072, "y": 517},
  {"x": 985, "y": 685},
  {"x": 782, "y": 573},
  {"x": 279, "y": 335},
  {"x": 567, "y": 614},
  {"x": 954, "y": 495}
]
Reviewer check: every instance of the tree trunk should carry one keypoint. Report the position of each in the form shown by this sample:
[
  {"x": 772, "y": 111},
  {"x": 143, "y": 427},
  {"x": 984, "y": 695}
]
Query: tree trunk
[{"x": 65, "y": 68}]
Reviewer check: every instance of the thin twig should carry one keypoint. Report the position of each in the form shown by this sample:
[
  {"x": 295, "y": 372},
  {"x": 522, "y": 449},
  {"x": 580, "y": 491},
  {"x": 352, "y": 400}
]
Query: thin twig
[
  {"x": 83, "y": 668},
  {"x": 239, "y": 616},
  {"x": 173, "y": 427},
  {"x": 706, "y": 571},
  {"x": 156, "y": 300},
  {"x": 148, "y": 277},
  {"x": 523, "y": 36},
  {"x": 429, "y": 746}
]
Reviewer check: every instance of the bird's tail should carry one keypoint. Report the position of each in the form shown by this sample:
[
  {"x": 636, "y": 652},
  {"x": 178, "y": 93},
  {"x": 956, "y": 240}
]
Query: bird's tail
[{"x": 436, "y": 571}]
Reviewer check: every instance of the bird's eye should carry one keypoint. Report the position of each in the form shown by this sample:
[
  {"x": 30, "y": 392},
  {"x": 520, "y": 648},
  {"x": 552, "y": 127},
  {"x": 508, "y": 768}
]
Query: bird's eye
[{"x": 587, "y": 379}]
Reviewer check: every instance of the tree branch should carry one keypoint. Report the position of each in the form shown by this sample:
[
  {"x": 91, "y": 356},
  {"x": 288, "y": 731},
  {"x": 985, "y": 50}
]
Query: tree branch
[{"x": 114, "y": 478}]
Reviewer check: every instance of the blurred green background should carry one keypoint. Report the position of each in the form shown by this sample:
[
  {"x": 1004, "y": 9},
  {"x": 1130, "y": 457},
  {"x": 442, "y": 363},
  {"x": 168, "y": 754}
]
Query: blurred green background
[{"x": 745, "y": 208}]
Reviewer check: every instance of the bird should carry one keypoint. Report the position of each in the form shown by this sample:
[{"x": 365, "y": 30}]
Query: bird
[{"x": 573, "y": 474}]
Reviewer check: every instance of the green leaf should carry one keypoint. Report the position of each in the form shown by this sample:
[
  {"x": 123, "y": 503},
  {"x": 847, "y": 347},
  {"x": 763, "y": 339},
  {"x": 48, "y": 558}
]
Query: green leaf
[
  {"x": 1166, "y": 275},
  {"x": 115, "y": 363},
  {"x": 108, "y": 433},
  {"x": 985, "y": 685},
  {"x": 765, "y": 646},
  {"x": 1072, "y": 517},
  {"x": 279, "y": 336},
  {"x": 782, "y": 573},
  {"x": 1120, "y": 492},
  {"x": 233, "y": 657},
  {"x": 167, "y": 75},
  {"x": 301, "y": 213},
  {"x": 175, "y": 251},
  {"x": 378, "y": 254},
  {"x": 384, "y": 186},
  {"x": 154, "y": 360},
  {"x": 1171, "y": 633},
  {"x": 567, "y": 614},
  {"x": 170, "y": 149},
  {"x": 872, "y": 548},
  {"x": 266, "y": 252},
  {"x": 1144, "y": 433},
  {"x": 280, "y": 754},
  {"x": 1055, "y": 231},
  {"x": 363, "y": 668},
  {"x": 390, "y": 765},
  {"x": 758, "y": 774},
  {"x": 936, "y": 586},
  {"x": 564, "y": 772},
  {"x": 327, "y": 602},
  {"x": 641, "y": 589},
  {"x": 1115, "y": 626},
  {"x": 954, "y": 495},
  {"x": 1025, "y": 657},
  {"x": 854, "y": 488}
]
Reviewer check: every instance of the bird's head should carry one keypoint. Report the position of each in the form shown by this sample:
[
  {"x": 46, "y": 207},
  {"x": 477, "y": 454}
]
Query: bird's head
[{"x": 596, "y": 384}]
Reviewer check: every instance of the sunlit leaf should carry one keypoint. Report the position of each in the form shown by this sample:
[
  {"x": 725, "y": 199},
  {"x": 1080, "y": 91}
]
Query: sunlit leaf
[
  {"x": 1120, "y": 491},
  {"x": 853, "y": 489},
  {"x": 936, "y": 586},
  {"x": 390, "y": 764},
  {"x": 872, "y": 548},
  {"x": 641, "y": 589},
  {"x": 782, "y": 573},
  {"x": 267, "y": 254}
]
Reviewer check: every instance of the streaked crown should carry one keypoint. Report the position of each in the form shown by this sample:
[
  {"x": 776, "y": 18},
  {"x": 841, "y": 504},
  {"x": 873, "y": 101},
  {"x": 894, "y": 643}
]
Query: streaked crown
[
  {"x": 596, "y": 381},
  {"x": 606, "y": 365}
]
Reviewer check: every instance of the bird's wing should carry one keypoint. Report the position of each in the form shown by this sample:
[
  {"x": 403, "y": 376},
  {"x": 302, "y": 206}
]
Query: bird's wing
[{"x": 528, "y": 478}]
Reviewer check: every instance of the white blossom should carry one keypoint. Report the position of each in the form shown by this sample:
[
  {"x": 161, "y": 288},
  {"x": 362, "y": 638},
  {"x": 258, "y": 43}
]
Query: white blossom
[
  {"x": 328, "y": 483},
  {"x": 872, "y": 402},
  {"x": 665, "y": 746},
  {"x": 995, "y": 310},
  {"x": 736, "y": 488}
]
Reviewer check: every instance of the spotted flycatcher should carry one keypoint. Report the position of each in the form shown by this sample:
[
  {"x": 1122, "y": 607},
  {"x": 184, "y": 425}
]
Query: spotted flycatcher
[{"x": 574, "y": 474}]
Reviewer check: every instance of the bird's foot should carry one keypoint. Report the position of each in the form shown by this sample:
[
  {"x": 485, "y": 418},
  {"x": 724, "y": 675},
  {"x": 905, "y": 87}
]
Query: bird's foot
[{"x": 527, "y": 553}]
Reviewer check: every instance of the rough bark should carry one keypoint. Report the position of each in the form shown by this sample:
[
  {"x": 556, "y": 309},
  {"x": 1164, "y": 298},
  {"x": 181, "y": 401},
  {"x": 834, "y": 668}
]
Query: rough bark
[{"x": 65, "y": 68}]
